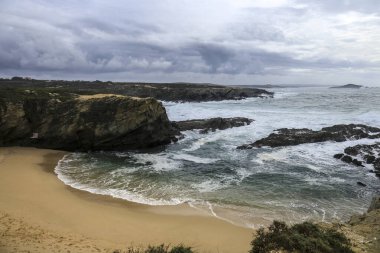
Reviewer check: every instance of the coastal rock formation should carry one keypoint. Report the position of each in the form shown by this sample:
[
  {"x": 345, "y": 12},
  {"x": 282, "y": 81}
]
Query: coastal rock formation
[
  {"x": 92, "y": 122},
  {"x": 338, "y": 133},
  {"x": 192, "y": 92},
  {"x": 177, "y": 92},
  {"x": 206, "y": 125},
  {"x": 362, "y": 154},
  {"x": 347, "y": 86}
]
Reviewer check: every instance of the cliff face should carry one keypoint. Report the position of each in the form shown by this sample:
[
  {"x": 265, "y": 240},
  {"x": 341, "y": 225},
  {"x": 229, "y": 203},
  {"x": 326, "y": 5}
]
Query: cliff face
[
  {"x": 368, "y": 226},
  {"x": 72, "y": 122}
]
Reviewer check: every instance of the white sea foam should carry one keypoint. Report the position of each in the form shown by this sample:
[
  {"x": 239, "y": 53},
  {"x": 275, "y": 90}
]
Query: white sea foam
[
  {"x": 283, "y": 94},
  {"x": 208, "y": 186},
  {"x": 278, "y": 155},
  {"x": 160, "y": 162},
  {"x": 243, "y": 173},
  {"x": 198, "y": 143},
  {"x": 221, "y": 182},
  {"x": 116, "y": 193},
  {"x": 195, "y": 159}
]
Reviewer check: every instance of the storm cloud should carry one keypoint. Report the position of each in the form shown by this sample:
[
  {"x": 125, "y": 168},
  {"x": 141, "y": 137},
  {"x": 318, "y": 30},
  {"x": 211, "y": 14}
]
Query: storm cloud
[{"x": 225, "y": 41}]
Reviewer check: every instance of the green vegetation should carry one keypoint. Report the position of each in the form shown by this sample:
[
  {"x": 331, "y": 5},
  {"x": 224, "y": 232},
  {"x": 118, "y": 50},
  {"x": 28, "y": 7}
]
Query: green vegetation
[
  {"x": 160, "y": 249},
  {"x": 22, "y": 94},
  {"x": 303, "y": 238},
  {"x": 162, "y": 91},
  {"x": 279, "y": 237}
]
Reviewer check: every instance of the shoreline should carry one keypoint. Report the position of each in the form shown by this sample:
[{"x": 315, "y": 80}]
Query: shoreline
[{"x": 32, "y": 196}]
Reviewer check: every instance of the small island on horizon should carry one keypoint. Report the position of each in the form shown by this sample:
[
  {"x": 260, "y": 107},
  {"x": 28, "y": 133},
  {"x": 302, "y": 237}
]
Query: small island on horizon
[{"x": 347, "y": 86}]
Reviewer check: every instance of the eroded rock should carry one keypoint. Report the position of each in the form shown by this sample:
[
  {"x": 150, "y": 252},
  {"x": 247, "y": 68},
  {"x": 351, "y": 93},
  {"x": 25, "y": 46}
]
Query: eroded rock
[
  {"x": 362, "y": 154},
  {"x": 338, "y": 133},
  {"x": 206, "y": 125}
]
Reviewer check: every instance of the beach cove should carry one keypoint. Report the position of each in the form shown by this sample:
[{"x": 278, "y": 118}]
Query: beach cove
[{"x": 38, "y": 213}]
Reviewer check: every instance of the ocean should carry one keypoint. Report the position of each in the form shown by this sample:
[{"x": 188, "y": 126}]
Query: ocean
[{"x": 245, "y": 187}]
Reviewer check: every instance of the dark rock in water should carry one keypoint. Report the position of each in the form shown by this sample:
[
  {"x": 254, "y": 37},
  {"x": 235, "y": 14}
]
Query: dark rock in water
[
  {"x": 347, "y": 86},
  {"x": 347, "y": 159},
  {"x": 360, "y": 154},
  {"x": 338, "y": 133},
  {"x": 206, "y": 125},
  {"x": 73, "y": 122},
  {"x": 357, "y": 163},
  {"x": 361, "y": 184},
  {"x": 351, "y": 151},
  {"x": 369, "y": 159},
  {"x": 376, "y": 163},
  {"x": 338, "y": 156}
]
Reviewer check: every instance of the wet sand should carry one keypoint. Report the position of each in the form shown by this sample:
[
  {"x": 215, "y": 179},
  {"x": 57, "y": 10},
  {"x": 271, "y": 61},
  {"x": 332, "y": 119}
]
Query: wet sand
[{"x": 38, "y": 213}]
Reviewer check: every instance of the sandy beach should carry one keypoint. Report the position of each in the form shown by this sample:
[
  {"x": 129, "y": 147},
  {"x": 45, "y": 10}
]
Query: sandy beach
[{"x": 38, "y": 213}]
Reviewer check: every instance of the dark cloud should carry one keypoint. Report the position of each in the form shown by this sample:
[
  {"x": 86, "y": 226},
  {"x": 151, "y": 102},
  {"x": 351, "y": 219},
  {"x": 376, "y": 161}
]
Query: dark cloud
[
  {"x": 213, "y": 55},
  {"x": 98, "y": 38}
]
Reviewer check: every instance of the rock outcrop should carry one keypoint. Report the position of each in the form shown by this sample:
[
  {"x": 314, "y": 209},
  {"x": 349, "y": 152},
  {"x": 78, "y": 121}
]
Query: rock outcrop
[
  {"x": 368, "y": 226},
  {"x": 338, "y": 133},
  {"x": 192, "y": 92},
  {"x": 206, "y": 125},
  {"x": 72, "y": 122},
  {"x": 362, "y": 154}
]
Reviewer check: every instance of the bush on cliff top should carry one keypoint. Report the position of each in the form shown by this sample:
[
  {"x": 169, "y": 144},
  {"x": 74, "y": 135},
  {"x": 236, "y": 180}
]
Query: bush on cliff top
[{"x": 304, "y": 238}]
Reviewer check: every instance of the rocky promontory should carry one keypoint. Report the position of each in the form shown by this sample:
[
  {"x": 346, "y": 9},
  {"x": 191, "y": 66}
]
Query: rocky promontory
[
  {"x": 206, "y": 125},
  {"x": 67, "y": 121},
  {"x": 176, "y": 92},
  {"x": 338, "y": 133}
]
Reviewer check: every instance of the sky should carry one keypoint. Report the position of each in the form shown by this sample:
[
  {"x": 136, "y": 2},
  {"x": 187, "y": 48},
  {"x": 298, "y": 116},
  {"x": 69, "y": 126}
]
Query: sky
[{"x": 328, "y": 42}]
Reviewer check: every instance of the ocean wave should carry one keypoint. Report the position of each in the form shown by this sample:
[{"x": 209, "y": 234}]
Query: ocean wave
[
  {"x": 283, "y": 94},
  {"x": 116, "y": 193},
  {"x": 195, "y": 159},
  {"x": 159, "y": 162}
]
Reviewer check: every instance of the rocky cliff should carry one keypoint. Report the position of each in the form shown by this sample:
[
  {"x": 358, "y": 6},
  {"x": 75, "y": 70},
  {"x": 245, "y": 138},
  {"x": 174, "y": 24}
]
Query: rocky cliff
[{"x": 88, "y": 122}]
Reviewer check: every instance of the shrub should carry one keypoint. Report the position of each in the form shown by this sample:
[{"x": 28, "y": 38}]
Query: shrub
[
  {"x": 304, "y": 238},
  {"x": 162, "y": 249}
]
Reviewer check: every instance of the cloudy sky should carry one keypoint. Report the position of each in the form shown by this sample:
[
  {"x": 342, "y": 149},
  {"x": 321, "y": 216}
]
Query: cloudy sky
[{"x": 219, "y": 41}]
